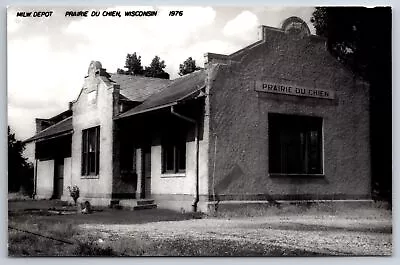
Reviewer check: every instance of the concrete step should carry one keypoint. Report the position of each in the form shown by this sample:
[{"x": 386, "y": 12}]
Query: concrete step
[
  {"x": 144, "y": 202},
  {"x": 134, "y": 204},
  {"x": 114, "y": 204},
  {"x": 145, "y": 206}
]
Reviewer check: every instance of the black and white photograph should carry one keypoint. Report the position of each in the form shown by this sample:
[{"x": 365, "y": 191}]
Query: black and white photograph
[{"x": 199, "y": 131}]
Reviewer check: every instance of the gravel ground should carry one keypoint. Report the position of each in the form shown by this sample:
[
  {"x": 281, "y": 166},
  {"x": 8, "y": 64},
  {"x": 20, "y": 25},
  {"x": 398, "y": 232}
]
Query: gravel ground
[{"x": 327, "y": 235}]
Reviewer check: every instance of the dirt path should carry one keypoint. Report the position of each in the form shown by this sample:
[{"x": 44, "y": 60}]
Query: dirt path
[{"x": 328, "y": 235}]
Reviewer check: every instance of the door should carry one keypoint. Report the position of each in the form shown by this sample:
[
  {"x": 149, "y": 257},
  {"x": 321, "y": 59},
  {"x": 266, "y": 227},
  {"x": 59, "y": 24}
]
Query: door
[
  {"x": 58, "y": 178},
  {"x": 146, "y": 172}
]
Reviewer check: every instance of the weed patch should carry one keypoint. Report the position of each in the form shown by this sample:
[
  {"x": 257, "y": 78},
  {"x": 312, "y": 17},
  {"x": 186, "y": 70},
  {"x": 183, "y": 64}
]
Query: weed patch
[{"x": 303, "y": 208}]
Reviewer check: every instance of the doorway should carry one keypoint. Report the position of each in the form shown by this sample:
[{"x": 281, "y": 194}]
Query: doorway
[
  {"x": 58, "y": 178},
  {"x": 146, "y": 175}
]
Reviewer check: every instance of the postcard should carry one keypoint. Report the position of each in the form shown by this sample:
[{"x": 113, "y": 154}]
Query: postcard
[{"x": 199, "y": 131}]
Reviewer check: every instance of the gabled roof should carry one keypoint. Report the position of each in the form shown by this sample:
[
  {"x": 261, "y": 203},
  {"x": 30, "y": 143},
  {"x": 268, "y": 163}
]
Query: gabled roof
[
  {"x": 180, "y": 88},
  {"x": 138, "y": 88},
  {"x": 61, "y": 128}
]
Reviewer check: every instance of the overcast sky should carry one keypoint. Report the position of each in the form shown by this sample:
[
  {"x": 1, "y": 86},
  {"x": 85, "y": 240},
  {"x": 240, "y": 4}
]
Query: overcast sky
[{"x": 48, "y": 57}]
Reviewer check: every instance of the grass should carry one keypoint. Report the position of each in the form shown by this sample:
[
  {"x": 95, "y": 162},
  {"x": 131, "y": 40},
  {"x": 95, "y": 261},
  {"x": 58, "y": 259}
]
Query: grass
[
  {"x": 56, "y": 232},
  {"x": 220, "y": 247},
  {"x": 378, "y": 209},
  {"x": 25, "y": 244},
  {"x": 50, "y": 243}
]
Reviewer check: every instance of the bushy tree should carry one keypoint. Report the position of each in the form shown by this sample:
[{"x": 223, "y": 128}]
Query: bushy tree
[
  {"x": 20, "y": 172},
  {"x": 361, "y": 39},
  {"x": 133, "y": 64},
  {"x": 188, "y": 66},
  {"x": 121, "y": 71},
  {"x": 156, "y": 69}
]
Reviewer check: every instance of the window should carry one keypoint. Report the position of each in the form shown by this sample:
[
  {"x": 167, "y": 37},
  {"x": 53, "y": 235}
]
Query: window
[
  {"x": 174, "y": 156},
  {"x": 90, "y": 151},
  {"x": 295, "y": 144}
]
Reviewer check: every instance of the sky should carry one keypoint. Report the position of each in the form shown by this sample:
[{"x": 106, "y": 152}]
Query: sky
[{"x": 48, "y": 57}]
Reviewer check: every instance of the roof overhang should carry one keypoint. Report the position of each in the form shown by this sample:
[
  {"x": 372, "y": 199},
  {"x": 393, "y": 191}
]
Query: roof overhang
[
  {"x": 59, "y": 129},
  {"x": 147, "y": 110},
  {"x": 193, "y": 95},
  {"x": 45, "y": 138}
]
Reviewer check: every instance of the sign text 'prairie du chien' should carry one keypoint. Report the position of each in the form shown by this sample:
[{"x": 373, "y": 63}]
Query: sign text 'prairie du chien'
[{"x": 293, "y": 90}]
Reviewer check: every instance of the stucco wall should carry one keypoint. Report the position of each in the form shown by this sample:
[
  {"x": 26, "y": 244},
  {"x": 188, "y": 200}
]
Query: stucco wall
[
  {"x": 45, "y": 169},
  {"x": 239, "y": 121},
  {"x": 86, "y": 115},
  {"x": 173, "y": 184},
  {"x": 178, "y": 192}
]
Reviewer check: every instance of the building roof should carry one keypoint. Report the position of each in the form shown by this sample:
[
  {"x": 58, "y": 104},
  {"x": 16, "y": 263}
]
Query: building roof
[
  {"x": 153, "y": 92},
  {"x": 61, "y": 116},
  {"x": 59, "y": 129},
  {"x": 138, "y": 88},
  {"x": 179, "y": 89}
]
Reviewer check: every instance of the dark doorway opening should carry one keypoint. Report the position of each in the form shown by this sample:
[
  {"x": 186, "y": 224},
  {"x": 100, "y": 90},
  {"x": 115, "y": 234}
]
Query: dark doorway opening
[
  {"x": 146, "y": 175},
  {"x": 58, "y": 178}
]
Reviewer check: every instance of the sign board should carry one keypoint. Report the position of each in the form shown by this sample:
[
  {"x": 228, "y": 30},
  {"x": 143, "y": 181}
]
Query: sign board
[{"x": 285, "y": 89}]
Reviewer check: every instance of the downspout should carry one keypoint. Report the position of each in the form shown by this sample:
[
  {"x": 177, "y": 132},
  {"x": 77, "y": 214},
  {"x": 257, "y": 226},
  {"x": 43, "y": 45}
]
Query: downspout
[
  {"x": 196, "y": 136},
  {"x": 35, "y": 181}
]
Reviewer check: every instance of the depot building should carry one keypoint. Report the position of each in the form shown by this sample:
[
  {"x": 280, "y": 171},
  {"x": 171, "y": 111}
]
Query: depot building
[{"x": 279, "y": 120}]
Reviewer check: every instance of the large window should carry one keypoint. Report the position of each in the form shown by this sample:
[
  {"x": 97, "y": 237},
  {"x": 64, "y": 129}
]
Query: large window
[
  {"x": 295, "y": 144},
  {"x": 174, "y": 156},
  {"x": 90, "y": 151}
]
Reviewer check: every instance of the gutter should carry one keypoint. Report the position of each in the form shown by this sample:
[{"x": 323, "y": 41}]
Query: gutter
[
  {"x": 196, "y": 197},
  {"x": 45, "y": 138},
  {"x": 121, "y": 116},
  {"x": 35, "y": 179}
]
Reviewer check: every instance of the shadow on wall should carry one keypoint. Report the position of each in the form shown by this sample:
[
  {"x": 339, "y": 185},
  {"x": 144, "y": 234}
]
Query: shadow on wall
[
  {"x": 235, "y": 176},
  {"x": 228, "y": 179}
]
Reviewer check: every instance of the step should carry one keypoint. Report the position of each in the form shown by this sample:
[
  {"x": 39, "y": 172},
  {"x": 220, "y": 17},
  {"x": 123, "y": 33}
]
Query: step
[
  {"x": 144, "y": 202},
  {"x": 144, "y": 207},
  {"x": 114, "y": 204}
]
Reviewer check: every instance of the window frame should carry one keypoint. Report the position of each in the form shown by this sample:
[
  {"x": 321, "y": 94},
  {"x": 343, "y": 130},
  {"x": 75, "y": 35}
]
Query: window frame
[
  {"x": 177, "y": 145},
  {"x": 292, "y": 126},
  {"x": 87, "y": 169}
]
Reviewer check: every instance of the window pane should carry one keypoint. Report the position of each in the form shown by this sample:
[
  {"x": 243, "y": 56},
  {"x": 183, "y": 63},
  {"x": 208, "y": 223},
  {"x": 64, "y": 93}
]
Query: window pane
[
  {"x": 92, "y": 163},
  {"x": 84, "y": 164},
  {"x": 294, "y": 144},
  {"x": 169, "y": 158},
  {"x": 84, "y": 153},
  {"x": 90, "y": 151},
  {"x": 92, "y": 140},
  {"x": 181, "y": 156},
  {"x": 314, "y": 152},
  {"x": 174, "y": 156},
  {"x": 97, "y": 149},
  {"x": 84, "y": 141}
]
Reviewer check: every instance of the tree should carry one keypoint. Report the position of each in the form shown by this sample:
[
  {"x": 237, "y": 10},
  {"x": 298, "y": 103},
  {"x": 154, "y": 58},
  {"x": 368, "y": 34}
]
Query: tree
[
  {"x": 20, "y": 172},
  {"x": 156, "y": 69},
  {"x": 361, "y": 39},
  {"x": 121, "y": 71},
  {"x": 188, "y": 66},
  {"x": 133, "y": 63}
]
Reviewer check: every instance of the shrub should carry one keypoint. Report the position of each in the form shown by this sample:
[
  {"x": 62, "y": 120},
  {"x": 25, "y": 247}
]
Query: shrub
[{"x": 74, "y": 192}]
